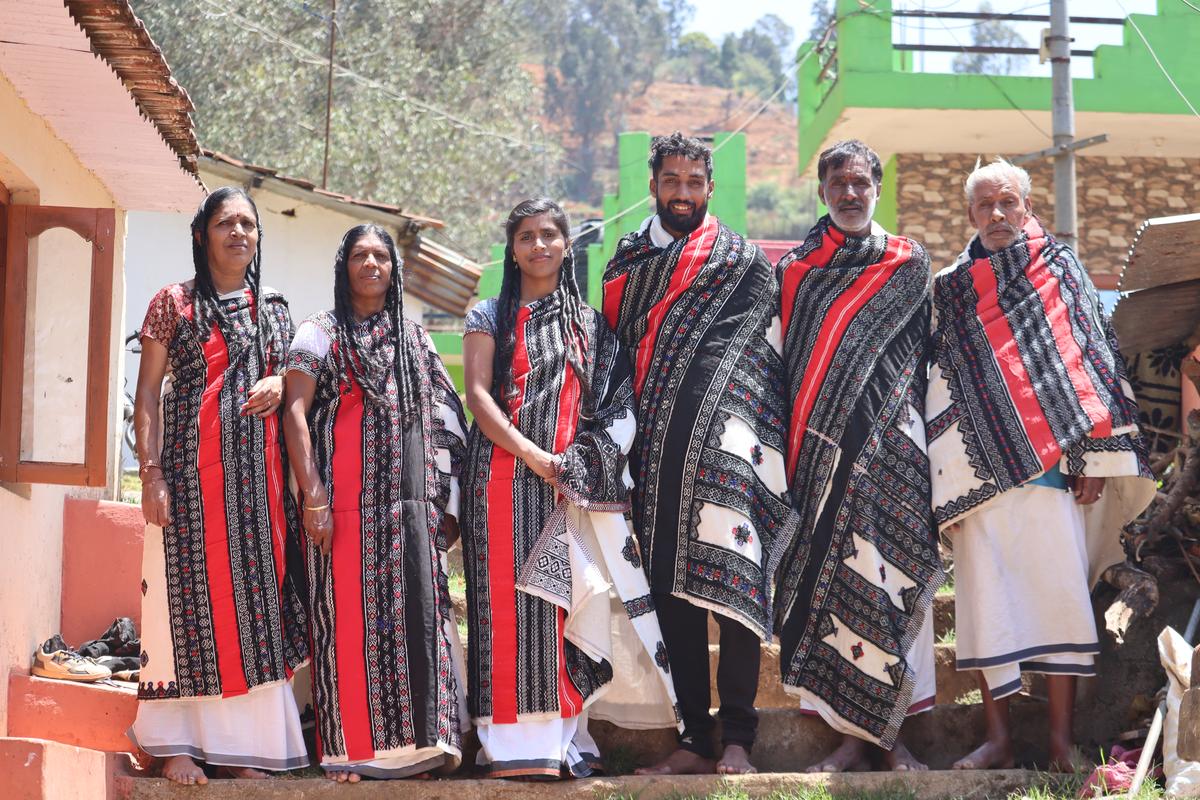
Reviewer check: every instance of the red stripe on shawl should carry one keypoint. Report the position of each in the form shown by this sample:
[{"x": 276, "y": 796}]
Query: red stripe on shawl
[
  {"x": 1069, "y": 351},
  {"x": 613, "y": 290},
  {"x": 1008, "y": 361},
  {"x": 502, "y": 590},
  {"x": 216, "y": 525},
  {"x": 693, "y": 258},
  {"x": 347, "y": 563},
  {"x": 841, "y": 313}
]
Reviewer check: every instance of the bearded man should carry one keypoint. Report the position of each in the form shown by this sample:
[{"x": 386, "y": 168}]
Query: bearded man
[
  {"x": 695, "y": 305},
  {"x": 1035, "y": 456},
  {"x": 854, "y": 603}
]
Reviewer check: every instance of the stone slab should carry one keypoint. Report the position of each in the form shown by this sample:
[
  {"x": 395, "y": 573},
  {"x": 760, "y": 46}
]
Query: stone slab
[
  {"x": 92, "y": 716},
  {"x": 989, "y": 785},
  {"x": 34, "y": 769}
]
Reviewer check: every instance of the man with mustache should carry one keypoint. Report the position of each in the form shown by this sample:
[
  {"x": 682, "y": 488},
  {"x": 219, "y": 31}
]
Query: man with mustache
[
  {"x": 854, "y": 602},
  {"x": 695, "y": 305},
  {"x": 1036, "y": 461}
]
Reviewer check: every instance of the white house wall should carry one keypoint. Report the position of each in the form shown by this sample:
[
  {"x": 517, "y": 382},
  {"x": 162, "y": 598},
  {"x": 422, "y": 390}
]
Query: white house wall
[{"x": 37, "y": 168}]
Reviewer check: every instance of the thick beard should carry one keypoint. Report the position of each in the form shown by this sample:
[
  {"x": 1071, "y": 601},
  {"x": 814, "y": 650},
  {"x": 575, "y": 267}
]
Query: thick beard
[{"x": 678, "y": 224}]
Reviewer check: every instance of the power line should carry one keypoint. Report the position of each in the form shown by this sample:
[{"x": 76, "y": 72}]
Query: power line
[
  {"x": 1167, "y": 75},
  {"x": 998, "y": 87}
]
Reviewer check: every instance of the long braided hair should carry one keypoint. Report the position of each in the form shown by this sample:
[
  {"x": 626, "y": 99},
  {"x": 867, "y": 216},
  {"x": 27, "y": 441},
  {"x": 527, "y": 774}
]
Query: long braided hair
[
  {"x": 571, "y": 321},
  {"x": 371, "y": 366},
  {"x": 205, "y": 304}
]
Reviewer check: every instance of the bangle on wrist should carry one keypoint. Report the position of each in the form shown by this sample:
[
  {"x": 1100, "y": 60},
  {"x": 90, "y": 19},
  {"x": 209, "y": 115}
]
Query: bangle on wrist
[
  {"x": 148, "y": 465},
  {"x": 316, "y": 508}
]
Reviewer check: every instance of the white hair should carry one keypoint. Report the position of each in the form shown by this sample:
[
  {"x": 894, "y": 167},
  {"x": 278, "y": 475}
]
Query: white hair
[{"x": 998, "y": 170}]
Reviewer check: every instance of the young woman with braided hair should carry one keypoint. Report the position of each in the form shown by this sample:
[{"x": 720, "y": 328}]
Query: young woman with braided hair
[
  {"x": 222, "y": 625},
  {"x": 375, "y": 432},
  {"x": 545, "y": 538}
]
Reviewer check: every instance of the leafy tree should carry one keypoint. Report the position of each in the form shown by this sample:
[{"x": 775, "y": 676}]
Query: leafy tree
[
  {"x": 435, "y": 118},
  {"x": 991, "y": 33},
  {"x": 606, "y": 56},
  {"x": 823, "y": 13},
  {"x": 697, "y": 60}
]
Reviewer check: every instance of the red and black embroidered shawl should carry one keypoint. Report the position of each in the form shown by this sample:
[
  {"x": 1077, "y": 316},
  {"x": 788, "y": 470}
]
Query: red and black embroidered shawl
[
  {"x": 855, "y": 586},
  {"x": 383, "y": 676},
  {"x": 237, "y": 621},
  {"x": 710, "y": 503},
  {"x": 1027, "y": 376},
  {"x": 519, "y": 665}
]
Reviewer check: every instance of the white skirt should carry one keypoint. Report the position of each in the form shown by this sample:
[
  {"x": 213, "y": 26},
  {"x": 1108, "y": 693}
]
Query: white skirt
[
  {"x": 260, "y": 729},
  {"x": 1022, "y": 600},
  {"x": 541, "y": 748}
]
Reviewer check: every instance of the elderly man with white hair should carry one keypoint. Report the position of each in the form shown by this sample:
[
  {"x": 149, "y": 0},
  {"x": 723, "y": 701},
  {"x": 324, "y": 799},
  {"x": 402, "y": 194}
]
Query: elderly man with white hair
[{"x": 1036, "y": 461}]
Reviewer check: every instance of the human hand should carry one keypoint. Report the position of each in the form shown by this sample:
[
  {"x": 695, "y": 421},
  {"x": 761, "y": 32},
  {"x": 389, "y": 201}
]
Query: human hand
[
  {"x": 156, "y": 500},
  {"x": 1087, "y": 490},
  {"x": 265, "y": 397},
  {"x": 544, "y": 464},
  {"x": 317, "y": 521}
]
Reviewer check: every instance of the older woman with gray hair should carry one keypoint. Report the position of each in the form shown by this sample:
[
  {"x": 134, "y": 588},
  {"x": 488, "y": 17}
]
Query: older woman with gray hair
[{"x": 1036, "y": 460}]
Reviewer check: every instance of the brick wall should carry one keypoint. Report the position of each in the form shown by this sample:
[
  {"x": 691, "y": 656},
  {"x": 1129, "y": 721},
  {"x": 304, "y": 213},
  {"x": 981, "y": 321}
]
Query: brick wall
[{"x": 1115, "y": 195}]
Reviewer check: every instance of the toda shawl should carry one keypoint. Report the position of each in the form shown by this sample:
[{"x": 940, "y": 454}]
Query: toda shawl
[
  {"x": 1027, "y": 377},
  {"x": 545, "y": 641},
  {"x": 855, "y": 586},
  {"x": 710, "y": 503},
  {"x": 221, "y": 615},
  {"x": 382, "y": 624}
]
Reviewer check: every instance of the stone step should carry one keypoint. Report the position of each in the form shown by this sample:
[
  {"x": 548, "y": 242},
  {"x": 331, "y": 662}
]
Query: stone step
[
  {"x": 789, "y": 740},
  {"x": 94, "y": 716},
  {"x": 942, "y": 785}
]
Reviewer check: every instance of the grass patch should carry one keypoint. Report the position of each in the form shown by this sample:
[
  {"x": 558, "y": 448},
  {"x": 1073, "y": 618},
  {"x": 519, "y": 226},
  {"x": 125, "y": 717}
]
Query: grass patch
[
  {"x": 948, "y": 637},
  {"x": 131, "y": 488},
  {"x": 947, "y": 588},
  {"x": 971, "y": 698},
  {"x": 458, "y": 583},
  {"x": 620, "y": 760}
]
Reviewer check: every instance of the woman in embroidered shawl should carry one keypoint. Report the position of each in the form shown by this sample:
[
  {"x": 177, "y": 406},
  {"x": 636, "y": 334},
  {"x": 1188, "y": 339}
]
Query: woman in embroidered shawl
[
  {"x": 375, "y": 431},
  {"x": 545, "y": 536},
  {"x": 222, "y": 626}
]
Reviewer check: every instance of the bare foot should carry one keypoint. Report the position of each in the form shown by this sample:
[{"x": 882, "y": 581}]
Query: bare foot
[
  {"x": 900, "y": 759},
  {"x": 1067, "y": 758},
  {"x": 850, "y": 756},
  {"x": 245, "y": 773},
  {"x": 183, "y": 770},
  {"x": 342, "y": 776},
  {"x": 989, "y": 755},
  {"x": 681, "y": 762},
  {"x": 735, "y": 761}
]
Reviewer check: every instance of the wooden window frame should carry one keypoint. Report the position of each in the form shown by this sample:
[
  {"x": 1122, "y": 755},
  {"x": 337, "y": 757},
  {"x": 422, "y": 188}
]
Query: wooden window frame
[{"x": 97, "y": 226}]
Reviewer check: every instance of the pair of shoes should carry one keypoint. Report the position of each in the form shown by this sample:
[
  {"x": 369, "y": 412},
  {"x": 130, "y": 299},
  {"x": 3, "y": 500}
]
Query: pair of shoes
[
  {"x": 124, "y": 668},
  {"x": 120, "y": 639},
  {"x": 55, "y": 660}
]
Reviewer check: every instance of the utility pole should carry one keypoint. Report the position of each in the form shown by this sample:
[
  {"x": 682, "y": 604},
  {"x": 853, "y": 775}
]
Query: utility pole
[
  {"x": 329, "y": 92},
  {"x": 1065, "y": 218}
]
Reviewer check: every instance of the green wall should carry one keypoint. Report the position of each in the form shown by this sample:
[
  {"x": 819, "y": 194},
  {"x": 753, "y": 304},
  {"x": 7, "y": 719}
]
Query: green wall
[{"x": 870, "y": 74}]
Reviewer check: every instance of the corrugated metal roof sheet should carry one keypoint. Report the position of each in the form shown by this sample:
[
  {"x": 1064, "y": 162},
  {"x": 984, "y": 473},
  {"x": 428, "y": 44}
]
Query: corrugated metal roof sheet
[
  {"x": 120, "y": 38},
  {"x": 49, "y": 61}
]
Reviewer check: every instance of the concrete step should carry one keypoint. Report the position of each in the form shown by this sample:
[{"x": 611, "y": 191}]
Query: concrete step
[
  {"x": 88, "y": 715},
  {"x": 790, "y": 741},
  {"x": 35, "y": 769},
  {"x": 945, "y": 785}
]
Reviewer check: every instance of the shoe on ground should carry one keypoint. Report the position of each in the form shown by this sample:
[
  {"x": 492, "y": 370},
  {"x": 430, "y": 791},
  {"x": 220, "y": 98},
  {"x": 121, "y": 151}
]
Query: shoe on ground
[{"x": 55, "y": 660}]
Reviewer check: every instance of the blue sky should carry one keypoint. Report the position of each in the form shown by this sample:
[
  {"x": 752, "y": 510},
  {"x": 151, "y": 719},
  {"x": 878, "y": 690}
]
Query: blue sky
[{"x": 720, "y": 17}]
